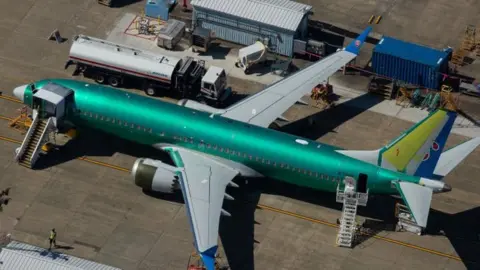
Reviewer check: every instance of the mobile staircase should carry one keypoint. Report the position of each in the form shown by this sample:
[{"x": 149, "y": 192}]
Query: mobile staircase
[
  {"x": 351, "y": 199},
  {"x": 28, "y": 153}
]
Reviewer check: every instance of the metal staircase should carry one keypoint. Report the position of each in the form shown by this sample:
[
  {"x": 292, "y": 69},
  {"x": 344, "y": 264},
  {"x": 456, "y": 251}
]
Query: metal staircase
[
  {"x": 351, "y": 200},
  {"x": 28, "y": 152}
]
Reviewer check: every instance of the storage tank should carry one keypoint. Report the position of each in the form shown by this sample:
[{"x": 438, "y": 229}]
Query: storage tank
[
  {"x": 251, "y": 55},
  {"x": 120, "y": 58},
  {"x": 409, "y": 62}
]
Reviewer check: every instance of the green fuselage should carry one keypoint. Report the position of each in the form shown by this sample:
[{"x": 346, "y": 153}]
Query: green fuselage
[{"x": 271, "y": 153}]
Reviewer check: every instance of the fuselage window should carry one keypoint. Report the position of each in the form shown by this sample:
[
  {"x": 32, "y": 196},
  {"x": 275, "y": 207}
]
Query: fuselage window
[
  {"x": 287, "y": 166},
  {"x": 250, "y": 157},
  {"x": 150, "y": 131},
  {"x": 268, "y": 162},
  {"x": 281, "y": 165},
  {"x": 257, "y": 159},
  {"x": 215, "y": 147},
  {"x": 208, "y": 146},
  {"x": 126, "y": 124},
  {"x": 245, "y": 155},
  {"x": 107, "y": 119},
  {"x": 191, "y": 139},
  {"x": 119, "y": 122},
  {"x": 233, "y": 152},
  {"x": 91, "y": 115},
  {"x": 221, "y": 149},
  {"x": 101, "y": 117}
]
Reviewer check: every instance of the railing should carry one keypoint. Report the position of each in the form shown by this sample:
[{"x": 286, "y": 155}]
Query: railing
[
  {"x": 40, "y": 141},
  {"x": 26, "y": 139}
]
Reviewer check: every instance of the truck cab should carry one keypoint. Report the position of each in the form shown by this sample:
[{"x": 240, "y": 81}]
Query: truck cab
[{"x": 213, "y": 85}]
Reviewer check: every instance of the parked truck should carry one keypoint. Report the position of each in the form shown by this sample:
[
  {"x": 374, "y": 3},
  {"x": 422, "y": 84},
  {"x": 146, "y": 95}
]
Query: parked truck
[{"x": 108, "y": 62}]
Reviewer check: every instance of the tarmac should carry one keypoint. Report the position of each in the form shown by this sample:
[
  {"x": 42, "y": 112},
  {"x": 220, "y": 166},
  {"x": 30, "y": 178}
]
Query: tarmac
[{"x": 101, "y": 215}]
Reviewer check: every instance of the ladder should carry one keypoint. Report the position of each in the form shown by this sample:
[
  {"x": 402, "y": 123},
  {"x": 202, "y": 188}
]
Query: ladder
[
  {"x": 351, "y": 199},
  {"x": 28, "y": 152},
  {"x": 347, "y": 222}
]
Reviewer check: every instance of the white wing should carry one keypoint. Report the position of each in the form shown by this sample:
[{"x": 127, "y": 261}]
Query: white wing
[
  {"x": 203, "y": 182},
  {"x": 264, "y": 107}
]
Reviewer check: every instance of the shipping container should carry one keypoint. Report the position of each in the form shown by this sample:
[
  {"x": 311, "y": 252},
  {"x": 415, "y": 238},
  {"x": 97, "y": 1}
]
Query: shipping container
[{"x": 410, "y": 63}]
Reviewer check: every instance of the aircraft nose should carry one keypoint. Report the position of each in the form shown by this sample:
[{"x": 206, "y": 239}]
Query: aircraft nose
[{"x": 19, "y": 92}]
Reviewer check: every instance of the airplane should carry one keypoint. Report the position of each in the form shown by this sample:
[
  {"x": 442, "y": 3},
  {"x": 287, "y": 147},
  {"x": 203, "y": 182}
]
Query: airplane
[{"x": 210, "y": 147}]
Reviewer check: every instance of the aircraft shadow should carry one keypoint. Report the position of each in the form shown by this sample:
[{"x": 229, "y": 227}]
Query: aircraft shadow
[
  {"x": 327, "y": 120},
  {"x": 462, "y": 229}
]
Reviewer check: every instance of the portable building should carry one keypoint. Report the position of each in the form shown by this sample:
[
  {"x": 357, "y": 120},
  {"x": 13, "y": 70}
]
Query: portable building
[
  {"x": 158, "y": 9},
  {"x": 409, "y": 62},
  {"x": 274, "y": 22}
]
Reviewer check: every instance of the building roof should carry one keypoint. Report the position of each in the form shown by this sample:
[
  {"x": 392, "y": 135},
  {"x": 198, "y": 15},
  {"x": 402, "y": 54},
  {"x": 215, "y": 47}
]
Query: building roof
[
  {"x": 410, "y": 51},
  {"x": 284, "y": 14},
  {"x": 23, "y": 256}
]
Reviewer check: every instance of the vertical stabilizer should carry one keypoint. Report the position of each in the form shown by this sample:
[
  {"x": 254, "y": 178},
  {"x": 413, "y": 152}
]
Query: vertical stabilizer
[{"x": 417, "y": 151}]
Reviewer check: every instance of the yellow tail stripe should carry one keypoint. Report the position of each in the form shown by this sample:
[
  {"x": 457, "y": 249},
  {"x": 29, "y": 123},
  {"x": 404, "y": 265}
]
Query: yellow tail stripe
[{"x": 403, "y": 151}]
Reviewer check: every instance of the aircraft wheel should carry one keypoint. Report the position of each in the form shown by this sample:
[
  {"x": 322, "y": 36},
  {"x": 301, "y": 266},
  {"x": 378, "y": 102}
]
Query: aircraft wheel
[
  {"x": 114, "y": 81},
  {"x": 150, "y": 91},
  {"x": 100, "y": 79}
]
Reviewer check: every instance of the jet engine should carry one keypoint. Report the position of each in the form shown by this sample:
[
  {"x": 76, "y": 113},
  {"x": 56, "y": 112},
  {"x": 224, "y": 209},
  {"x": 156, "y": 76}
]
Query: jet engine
[
  {"x": 192, "y": 104},
  {"x": 155, "y": 175}
]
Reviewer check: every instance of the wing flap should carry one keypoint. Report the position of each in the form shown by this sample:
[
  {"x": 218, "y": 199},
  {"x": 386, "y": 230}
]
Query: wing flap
[
  {"x": 418, "y": 199},
  {"x": 203, "y": 182}
]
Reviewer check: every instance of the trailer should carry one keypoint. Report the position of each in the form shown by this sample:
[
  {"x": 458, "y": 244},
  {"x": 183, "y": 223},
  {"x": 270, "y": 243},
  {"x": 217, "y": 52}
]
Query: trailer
[{"x": 108, "y": 62}]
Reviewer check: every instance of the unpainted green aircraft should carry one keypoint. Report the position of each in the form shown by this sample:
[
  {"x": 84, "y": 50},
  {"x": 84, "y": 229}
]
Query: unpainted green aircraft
[{"x": 210, "y": 147}]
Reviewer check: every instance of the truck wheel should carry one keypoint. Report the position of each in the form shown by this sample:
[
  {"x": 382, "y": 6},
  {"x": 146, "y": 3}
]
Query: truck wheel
[
  {"x": 114, "y": 81},
  {"x": 100, "y": 79},
  {"x": 150, "y": 91}
]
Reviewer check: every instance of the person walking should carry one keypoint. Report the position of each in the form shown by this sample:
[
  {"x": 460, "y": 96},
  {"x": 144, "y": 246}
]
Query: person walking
[{"x": 53, "y": 238}]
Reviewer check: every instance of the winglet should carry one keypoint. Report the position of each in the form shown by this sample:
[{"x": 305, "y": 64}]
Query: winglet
[
  {"x": 208, "y": 257},
  {"x": 355, "y": 45}
]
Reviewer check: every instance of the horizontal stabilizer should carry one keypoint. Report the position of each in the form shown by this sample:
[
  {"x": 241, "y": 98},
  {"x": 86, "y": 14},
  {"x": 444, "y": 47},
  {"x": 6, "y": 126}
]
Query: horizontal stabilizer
[
  {"x": 418, "y": 199},
  {"x": 367, "y": 156},
  {"x": 452, "y": 157}
]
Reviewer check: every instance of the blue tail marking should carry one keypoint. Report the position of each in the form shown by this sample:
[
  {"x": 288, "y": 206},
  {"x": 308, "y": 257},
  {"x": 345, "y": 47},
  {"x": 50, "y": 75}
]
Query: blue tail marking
[
  {"x": 355, "y": 45},
  {"x": 427, "y": 167}
]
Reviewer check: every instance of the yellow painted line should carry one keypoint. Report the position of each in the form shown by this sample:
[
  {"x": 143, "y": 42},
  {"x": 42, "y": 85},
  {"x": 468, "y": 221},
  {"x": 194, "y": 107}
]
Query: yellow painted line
[
  {"x": 10, "y": 140},
  {"x": 280, "y": 211},
  {"x": 12, "y": 99},
  {"x": 100, "y": 163}
]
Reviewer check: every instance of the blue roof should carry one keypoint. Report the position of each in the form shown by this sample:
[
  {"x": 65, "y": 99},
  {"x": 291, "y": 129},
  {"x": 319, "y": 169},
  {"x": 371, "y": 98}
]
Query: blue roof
[{"x": 410, "y": 51}]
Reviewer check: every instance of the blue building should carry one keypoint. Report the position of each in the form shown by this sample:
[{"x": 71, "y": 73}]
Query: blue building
[{"x": 278, "y": 22}]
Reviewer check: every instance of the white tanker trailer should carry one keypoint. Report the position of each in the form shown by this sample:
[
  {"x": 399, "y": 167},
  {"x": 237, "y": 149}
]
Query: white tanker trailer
[{"x": 112, "y": 63}]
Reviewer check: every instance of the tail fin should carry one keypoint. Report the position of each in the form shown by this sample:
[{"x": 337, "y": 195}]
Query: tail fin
[{"x": 415, "y": 152}]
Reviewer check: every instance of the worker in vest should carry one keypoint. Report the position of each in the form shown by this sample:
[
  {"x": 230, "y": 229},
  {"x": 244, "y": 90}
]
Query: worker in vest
[{"x": 52, "y": 238}]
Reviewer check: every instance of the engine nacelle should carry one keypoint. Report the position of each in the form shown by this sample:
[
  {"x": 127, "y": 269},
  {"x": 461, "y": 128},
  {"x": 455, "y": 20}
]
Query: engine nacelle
[
  {"x": 155, "y": 175},
  {"x": 192, "y": 104}
]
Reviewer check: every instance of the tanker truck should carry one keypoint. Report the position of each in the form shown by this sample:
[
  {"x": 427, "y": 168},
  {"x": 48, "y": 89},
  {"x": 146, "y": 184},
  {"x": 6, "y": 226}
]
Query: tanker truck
[{"x": 115, "y": 64}]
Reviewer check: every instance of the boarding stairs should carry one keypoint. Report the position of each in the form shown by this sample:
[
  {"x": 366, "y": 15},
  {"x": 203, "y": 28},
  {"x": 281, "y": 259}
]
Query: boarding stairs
[
  {"x": 351, "y": 200},
  {"x": 27, "y": 154}
]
